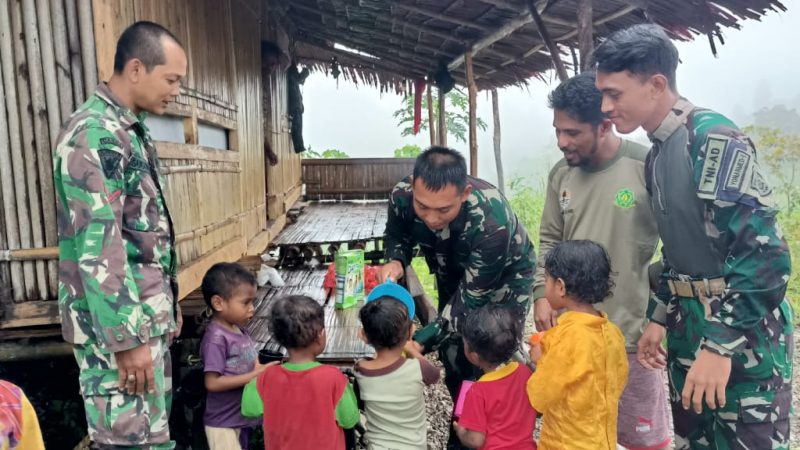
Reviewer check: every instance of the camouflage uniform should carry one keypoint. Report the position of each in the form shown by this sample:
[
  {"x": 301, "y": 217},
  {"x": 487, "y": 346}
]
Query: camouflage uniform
[
  {"x": 717, "y": 220},
  {"x": 117, "y": 266},
  {"x": 483, "y": 256}
]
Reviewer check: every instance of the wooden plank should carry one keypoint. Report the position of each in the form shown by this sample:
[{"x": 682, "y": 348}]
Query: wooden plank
[
  {"x": 191, "y": 275},
  {"x": 171, "y": 150},
  {"x": 111, "y": 17},
  {"x": 260, "y": 242},
  {"x": 30, "y": 313}
]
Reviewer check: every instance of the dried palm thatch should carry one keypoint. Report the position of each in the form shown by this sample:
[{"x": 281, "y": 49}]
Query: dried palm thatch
[{"x": 386, "y": 43}]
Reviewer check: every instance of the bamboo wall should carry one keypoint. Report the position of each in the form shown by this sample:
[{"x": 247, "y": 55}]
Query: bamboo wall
[
  {"x": 354, "y": 178},
  {"x": 218, "y": 198}
]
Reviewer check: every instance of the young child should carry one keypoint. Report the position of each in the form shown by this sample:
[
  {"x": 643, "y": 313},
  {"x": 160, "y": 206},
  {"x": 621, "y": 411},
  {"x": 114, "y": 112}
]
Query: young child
[
  {"x": 581, "y": 366},
  {"x": 229, "y": 355},
  {"x": 496, "y": 413},
  {"x": 391, "y": 385},
  {"x": 306, "y": 404}
]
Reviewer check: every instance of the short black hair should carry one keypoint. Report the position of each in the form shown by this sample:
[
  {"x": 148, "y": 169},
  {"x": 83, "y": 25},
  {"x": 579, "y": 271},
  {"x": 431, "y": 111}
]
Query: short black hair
[
  {"x": 643, "y": 49},
  {"x": 493, "y": 332},
  {"x": 439, "y": 166},
  {"x": 142, "y": 41},
  {"x": 585, "y": 268},
  {"x": 386, "y": 322},
  {"x": 296, "y": 320},
  {"x": 223, "y": 278},
  {"x": 579, "y": 98}
]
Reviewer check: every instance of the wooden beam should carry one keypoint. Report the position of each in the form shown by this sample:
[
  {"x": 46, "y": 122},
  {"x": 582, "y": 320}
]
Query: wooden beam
[
  {"x": 30, "y": 313},
  {"x": 607, "y": 18},
  {"x": 554, "y": 54},
  {"x": 515, "y": 7},
  {"x": 585, "y": 32},
  {"x": 351, "y": 59},
  {"x": 190, "y": 276},
  {"x": 507, "y": 29},
  {"x": 496, "y": 141},
  {"x": 442, "y": 121},
  {"x": 442, "y": 17},
  {"x": 473, "y": 120}
]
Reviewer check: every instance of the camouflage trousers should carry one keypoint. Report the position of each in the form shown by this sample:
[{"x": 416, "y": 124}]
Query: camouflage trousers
[
  {"x": 759, "y": 392},
  {"x": 115, "y": 419}
]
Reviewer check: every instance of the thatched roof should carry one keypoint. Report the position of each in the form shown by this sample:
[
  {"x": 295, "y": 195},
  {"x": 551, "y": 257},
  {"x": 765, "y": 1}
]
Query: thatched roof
[{"x": 407, "y": 39}]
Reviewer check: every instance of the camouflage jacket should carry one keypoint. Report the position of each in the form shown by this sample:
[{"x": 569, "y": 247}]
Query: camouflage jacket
[
  {"x": 482, "y": 256},
  {"x": 117, "y": 264},
  {"x": 717, "y": 218}
]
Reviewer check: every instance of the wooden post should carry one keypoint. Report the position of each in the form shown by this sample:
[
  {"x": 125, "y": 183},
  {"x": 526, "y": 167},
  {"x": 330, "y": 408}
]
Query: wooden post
[
  {"x": 21, "y": 216},
  {"x": 585, "y": 32},
  {"x": 442, "y": 119},
  {"x": 47, "y": 47},
  {"x": 551, "y": 46},
  {"x": 431, "y": 121},
  {"x": 473, "y": 119},
  {"x": 43, "y": 196},
  {"x": 497, "y": 159},
  {"x": 30, "y": 175}
]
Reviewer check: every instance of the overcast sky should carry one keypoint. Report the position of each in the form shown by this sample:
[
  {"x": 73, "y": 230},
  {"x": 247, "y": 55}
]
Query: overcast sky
[{"x": 757, "y": 67}]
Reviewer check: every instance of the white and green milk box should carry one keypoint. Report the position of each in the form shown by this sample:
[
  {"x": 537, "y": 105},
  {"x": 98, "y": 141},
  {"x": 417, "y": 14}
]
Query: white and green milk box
[{"x": 349, "y": 278}]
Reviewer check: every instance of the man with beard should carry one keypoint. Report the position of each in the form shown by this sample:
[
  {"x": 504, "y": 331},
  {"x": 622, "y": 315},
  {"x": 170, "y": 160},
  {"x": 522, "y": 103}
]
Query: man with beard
[{"x": 598, "y": 192}]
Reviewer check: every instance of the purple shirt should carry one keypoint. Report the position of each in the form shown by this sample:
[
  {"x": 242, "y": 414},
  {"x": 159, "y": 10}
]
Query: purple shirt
[{"x": 227, "y": 353}]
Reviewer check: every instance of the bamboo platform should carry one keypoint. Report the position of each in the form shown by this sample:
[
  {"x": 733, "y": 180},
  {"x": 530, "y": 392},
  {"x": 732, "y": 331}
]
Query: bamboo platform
[
  {"x": 330, "y": 223},
  {"x": 341, "y": 326}
]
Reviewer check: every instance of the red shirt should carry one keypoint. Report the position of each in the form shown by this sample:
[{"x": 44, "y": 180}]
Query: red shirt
[
  {"x": 498, "y": 406},
  {"x": 300, "y": 407}
]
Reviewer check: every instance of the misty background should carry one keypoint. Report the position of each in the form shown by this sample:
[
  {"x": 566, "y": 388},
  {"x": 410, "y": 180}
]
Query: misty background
[{"x": 754, "y": 78}]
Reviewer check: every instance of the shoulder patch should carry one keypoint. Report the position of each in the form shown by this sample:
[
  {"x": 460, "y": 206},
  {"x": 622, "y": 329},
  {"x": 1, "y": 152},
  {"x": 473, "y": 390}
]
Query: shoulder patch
[
  {"x": 109, "y": 142},
  {"x": 709, "y": 176},
  {"x": 738, "y": 169},
  {"x": 109, "y": 161},
  {"x": 136, "y": 162}
]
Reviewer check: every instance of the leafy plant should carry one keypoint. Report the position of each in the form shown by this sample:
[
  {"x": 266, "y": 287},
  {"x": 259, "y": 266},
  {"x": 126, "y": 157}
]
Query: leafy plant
[{"x": 456, "y": 115}]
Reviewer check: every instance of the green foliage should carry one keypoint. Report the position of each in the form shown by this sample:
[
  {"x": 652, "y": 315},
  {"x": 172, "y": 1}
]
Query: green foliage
[
  {"x": 528, "y": 204},
  {"x": 456, "y": 115},
  {"x": 779, "y": 153},
  {"x": 330, "y": 153},
  {"x": 408, "y": 151}
]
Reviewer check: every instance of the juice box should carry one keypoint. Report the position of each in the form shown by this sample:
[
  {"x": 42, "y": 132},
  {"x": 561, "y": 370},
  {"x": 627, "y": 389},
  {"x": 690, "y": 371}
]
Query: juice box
[{"x": 349, "y": 278}]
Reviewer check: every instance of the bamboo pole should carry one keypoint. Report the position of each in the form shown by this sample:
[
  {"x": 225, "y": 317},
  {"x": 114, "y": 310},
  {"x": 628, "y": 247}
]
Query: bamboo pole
[
  {"x": 496, "y": 140},
  {"x": 585, "y": 32},
  {"x": 46, "y": 201},
  {"x": 473, "y": 117},
  {"x": 431, "y": 121},
  {"x": 47, "y": 49},
  {"x": 551, "y": 46},
  {"x": 14, "y": 270},
  {"x": 442, "y": 119},
  {"x": 75, "y": 59},
  {"x": 61, "y": 38},
  {"x": 28, "y": 158},
  {"x": 86, "y": 26}
]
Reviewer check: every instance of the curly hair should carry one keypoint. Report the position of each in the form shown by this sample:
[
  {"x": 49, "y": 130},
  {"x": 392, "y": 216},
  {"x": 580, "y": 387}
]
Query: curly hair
[
  {"x": 296, "y": 320},
  {"x": 386, "y": 323},
  {"x": 585, "y": 268},
  {"x": 223, "y": 278},
  {"x": 493, "y": 332},
  {"x": 579, "y": 98}
]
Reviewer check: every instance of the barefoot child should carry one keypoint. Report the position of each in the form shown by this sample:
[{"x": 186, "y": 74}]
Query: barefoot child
[{"x": 581, "y": 364}]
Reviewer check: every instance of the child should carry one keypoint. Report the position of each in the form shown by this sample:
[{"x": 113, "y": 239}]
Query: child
[
  {"x": 391, "y": 386},
  {"x": 229, "y": 354},
  {"x": 19, "y": 427},
  {"x": 496, "y": 413},
  {"x": 306, "y": 404},
  {"x": 581, "y": 367}
]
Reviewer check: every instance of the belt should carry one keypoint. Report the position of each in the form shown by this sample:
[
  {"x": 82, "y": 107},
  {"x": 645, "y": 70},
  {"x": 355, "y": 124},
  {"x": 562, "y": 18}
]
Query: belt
[{"x": 685, "y": 286}]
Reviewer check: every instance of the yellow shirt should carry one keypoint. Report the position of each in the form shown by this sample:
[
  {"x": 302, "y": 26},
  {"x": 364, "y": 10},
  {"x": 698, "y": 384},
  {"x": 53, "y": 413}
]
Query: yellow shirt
[
  {"x": 17, "y": 418},
  {"x": 578, "y": 382}
]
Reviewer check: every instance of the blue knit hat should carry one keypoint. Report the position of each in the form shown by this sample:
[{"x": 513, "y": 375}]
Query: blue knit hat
[{"x": 393, "y": 290}]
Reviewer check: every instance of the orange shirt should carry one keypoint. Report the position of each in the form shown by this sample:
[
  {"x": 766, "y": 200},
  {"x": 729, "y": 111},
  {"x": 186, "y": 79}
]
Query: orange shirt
[{"x": 578, "y": 382}]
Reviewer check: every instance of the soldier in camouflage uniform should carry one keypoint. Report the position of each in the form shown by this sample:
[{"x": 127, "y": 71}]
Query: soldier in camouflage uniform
[
  {"x": 472, "y": 242},
  {"x": 727, "y": 265},
  {"x": 117, "y": 263}
]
